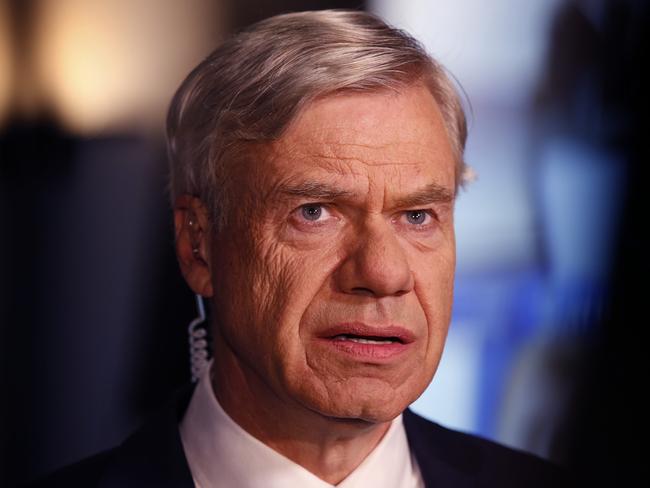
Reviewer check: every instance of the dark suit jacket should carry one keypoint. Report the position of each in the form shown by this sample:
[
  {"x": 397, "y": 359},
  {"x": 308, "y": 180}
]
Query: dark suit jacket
[{"x": 153, "y": 457}]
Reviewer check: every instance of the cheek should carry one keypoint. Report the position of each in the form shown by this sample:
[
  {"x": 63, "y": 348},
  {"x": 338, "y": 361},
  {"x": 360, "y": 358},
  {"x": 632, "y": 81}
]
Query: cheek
[
  {"x": 434, "y": 286},
  {"x": 270, "y": 289}
]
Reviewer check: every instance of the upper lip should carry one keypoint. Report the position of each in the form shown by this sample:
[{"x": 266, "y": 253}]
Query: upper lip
[{"x": 396, "y": 332}]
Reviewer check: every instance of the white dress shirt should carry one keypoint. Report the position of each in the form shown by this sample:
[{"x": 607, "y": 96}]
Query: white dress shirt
[{"x": 220, "y": 453}]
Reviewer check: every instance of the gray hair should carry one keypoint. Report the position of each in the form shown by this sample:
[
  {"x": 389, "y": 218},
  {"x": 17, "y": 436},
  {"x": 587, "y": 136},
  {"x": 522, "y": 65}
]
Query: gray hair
[{"x": 250, "y": 89}]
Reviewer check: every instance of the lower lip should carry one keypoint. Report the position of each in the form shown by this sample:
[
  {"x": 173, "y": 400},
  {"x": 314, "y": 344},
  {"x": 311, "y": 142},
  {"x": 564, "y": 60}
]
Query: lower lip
[{"x": 368, "y": 352}]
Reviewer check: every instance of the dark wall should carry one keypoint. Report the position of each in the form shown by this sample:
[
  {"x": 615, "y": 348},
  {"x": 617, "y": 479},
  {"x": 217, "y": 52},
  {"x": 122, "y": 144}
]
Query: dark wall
[{"x": 600, "y": 69}]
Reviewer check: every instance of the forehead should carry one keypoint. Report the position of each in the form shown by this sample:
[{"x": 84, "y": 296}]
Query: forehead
[{"x": 382, "y": 135}]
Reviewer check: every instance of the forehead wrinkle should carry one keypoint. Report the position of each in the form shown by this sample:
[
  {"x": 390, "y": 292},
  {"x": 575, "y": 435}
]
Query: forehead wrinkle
[
  {"x": 337, "y": 163},
  {"x": 366, "y": 153},
  {"x": 370, "y": 145},
  {"x": 356, "y": 133},
  {"x": 331, "y": 165},
  {"x": 347, "y": 144},
  {"x": 323, "y": 157},
  {"x": 326, "y": 179}
]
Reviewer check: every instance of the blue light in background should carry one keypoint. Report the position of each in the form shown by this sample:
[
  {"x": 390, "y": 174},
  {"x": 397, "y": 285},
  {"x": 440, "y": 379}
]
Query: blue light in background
[{"x": 534, "y": 232}]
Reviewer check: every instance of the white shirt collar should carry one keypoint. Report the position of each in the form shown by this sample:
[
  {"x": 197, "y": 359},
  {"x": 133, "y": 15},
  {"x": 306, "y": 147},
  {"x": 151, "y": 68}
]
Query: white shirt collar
[{"x": 220, "y": 453}]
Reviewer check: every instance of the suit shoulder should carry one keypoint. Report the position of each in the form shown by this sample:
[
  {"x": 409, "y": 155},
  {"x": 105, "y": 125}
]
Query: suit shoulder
[
  {"x": 489, "y": 462},
  {"x": 86, "y": 472}
]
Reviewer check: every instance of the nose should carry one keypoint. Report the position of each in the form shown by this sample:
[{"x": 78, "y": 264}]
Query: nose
[{"x": 376, "y": 264}]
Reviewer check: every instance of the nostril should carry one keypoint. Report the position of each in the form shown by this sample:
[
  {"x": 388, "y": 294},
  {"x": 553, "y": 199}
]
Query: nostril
[{"x": 372, "y": 293}]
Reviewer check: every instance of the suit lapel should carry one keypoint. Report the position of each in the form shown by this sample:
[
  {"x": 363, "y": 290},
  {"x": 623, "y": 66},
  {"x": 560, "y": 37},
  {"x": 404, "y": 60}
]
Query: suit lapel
[
  {"x": 154, "y": 456},
  {"x": 434, "y": 454}
]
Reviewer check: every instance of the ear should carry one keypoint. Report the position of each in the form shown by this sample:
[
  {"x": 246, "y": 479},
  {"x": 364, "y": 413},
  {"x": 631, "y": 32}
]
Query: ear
[{"x": 192, "y": 234}]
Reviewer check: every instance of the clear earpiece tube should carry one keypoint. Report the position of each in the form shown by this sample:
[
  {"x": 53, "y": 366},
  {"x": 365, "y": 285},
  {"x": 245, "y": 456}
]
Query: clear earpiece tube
[{"x": 198, "y": 342}]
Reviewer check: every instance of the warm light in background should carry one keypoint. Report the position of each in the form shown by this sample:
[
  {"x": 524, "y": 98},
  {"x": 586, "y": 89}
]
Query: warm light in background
[
  {"x": 5, "y": 61},
  {"x": 113, "y": 65}
]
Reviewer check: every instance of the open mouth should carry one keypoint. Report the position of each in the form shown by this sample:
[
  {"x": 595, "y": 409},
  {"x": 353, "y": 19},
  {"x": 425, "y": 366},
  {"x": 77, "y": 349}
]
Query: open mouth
[
  {"x": 375, "y": 340},
  {"x": 372, "y": 335},
  {"x": 370, "y": 344}
]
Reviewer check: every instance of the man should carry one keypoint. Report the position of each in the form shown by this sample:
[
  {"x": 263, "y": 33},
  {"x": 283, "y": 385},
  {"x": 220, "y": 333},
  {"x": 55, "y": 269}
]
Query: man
[{"x": 315, "y": 161}]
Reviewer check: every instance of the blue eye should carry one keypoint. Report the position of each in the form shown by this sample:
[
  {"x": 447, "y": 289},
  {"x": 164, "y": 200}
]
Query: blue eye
[
  {"x": 416, "y": 217},
  {"x": 311, "y": 212}
]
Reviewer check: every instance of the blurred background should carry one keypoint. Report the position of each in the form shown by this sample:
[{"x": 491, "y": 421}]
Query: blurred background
[{"x": 545, "y": 350}]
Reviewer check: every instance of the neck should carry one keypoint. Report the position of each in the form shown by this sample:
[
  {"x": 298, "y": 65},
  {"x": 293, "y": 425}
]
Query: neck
[{"x": 330, "y": 448}]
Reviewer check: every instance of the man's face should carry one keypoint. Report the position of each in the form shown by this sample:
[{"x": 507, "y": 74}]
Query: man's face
[{"x": 333, "y": 279}]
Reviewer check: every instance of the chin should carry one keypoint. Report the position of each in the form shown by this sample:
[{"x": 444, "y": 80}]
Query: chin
[{"x": 369, "y": 400}]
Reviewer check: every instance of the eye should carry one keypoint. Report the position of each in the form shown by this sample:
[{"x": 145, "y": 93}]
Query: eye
[
  {"x": 417, "y": 217},
  {"x": 313, "y": 212}
]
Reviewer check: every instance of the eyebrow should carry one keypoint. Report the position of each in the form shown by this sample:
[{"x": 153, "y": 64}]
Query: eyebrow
[
  {"x": 315, "y": 191},
  {"x": 432, "y": 193}
]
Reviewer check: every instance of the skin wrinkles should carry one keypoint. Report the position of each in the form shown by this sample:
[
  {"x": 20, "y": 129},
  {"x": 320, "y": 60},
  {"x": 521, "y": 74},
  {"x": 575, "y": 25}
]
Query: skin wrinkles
[
  {"x": 279, "y": 280},
  {"x": 334, "y": 149}
]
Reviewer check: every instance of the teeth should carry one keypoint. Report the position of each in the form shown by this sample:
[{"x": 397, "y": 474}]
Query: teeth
[
  {"x": 361, "y": 340},
  {"x": 369, "y": 341}
]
